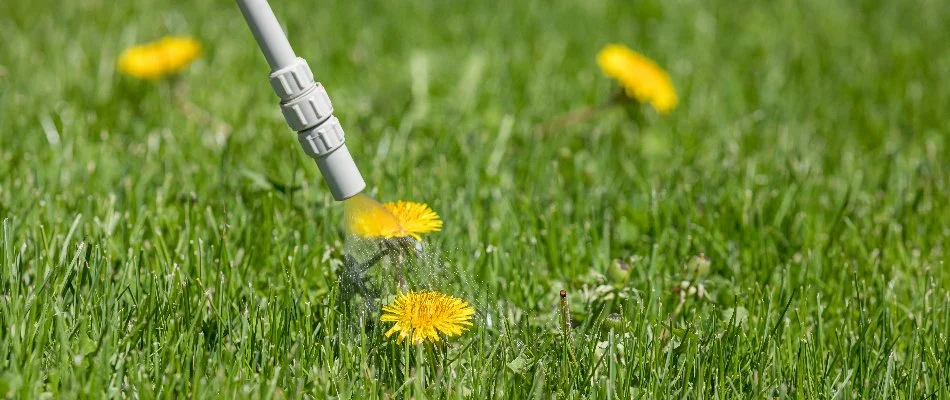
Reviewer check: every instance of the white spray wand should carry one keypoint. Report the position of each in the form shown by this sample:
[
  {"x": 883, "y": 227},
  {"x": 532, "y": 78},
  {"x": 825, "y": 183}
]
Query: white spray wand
[{"x": 304, "y": 102}]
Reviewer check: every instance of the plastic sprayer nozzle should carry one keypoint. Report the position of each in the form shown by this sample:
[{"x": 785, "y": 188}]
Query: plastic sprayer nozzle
[
  {"x": 340, "y": 173},
  {"x": 304, "y": 103}
]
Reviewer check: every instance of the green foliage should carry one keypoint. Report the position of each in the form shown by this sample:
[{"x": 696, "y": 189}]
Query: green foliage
[{"x": 169, "y": 239}]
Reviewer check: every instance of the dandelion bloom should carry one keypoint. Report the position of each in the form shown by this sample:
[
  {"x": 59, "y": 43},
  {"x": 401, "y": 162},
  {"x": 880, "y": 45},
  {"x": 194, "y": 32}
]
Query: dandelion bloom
[
  {"x": 152, "y": 60},
  {"x": 415, "y": 218},
  {"x": 641, "y": 78},
  {"x": 392, "y": 220},
  {"x": 423, "y": 315}
]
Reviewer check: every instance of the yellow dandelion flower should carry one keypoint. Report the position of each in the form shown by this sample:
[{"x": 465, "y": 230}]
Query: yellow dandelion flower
[
  {"x": 422, "y": 316},
  {"x": 366, "y": 218},
  {"x": 415, "y": 218},
  {"x": 152, "y": 60},
  {"x": 641, "y": 78}
]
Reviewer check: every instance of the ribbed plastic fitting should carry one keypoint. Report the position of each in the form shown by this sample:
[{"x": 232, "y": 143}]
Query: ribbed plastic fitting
[
  {"x": 322, "y": 139},
  {"x": 310, "y": 109},
  {"x": 307, "y": 109},
  {"x": 292, "y": 80}
]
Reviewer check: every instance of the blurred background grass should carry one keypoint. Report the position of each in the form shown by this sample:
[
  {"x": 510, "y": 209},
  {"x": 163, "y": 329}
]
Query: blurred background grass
[{"x": 807, "y": 159}]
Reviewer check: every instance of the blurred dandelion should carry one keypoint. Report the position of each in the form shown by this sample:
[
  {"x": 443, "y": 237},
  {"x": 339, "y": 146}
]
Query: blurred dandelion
[
  {"x": 641, "y": 78},
  {"x": 167, "y": 56},
  {"x": 424, "y": 315}
]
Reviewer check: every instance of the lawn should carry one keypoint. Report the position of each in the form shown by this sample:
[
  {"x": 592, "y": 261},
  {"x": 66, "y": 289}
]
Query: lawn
[{"x": 170, "y": 239}]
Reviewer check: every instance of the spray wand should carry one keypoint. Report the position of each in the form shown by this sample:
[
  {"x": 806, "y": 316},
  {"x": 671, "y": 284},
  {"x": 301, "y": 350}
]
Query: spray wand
[{"x": 304, "y": 102}]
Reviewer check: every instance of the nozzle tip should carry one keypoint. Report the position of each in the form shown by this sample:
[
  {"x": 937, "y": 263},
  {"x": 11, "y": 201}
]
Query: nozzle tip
[{"x": 340, "y": 172}]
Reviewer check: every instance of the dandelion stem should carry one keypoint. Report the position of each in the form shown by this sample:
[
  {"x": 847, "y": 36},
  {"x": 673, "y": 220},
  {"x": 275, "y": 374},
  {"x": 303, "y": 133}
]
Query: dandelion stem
[
  {"x": 398, "y": 248},
  {"x": 582, "y": 114},
  {"x": 570, "y": 118},
  {"x": 364, "y": 266},
  {"x": 399, "y": 259},
  {"x": 566, "y": 322},
  {"x": 611, "y": 366}
]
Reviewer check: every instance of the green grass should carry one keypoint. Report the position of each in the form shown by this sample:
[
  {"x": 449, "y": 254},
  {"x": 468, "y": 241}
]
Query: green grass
[{"x": 149, "y": 247}]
